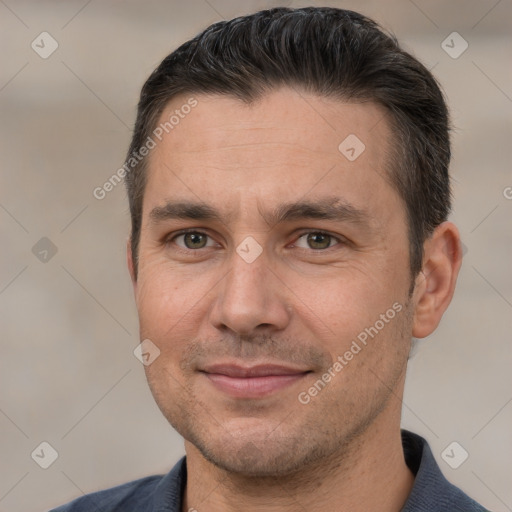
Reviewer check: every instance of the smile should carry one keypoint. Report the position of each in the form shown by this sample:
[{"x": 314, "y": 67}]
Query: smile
[{"x": 254, "y": 382}]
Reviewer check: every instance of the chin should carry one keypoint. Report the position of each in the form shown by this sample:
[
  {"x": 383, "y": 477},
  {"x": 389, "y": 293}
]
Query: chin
[
  {"x": 253, "y": 448},
  {"x": 252, "y": 460}
]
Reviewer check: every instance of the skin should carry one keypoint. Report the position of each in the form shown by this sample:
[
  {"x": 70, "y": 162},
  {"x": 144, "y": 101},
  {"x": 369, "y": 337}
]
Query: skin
[{"x": 301, "y": 302}]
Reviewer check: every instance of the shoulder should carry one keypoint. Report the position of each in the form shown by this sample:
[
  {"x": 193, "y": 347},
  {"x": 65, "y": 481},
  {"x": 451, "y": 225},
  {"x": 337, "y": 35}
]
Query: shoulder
[
  {"x": 133, "y": 496},
  {"x": 149, "y": 494},
  {"x": 431, "y": 490}
]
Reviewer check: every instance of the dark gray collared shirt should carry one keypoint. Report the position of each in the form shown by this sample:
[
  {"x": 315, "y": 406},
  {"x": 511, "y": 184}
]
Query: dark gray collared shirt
[{"x": 164, "y": 493}]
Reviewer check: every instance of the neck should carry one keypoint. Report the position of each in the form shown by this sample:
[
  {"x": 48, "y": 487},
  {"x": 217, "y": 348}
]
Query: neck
[{"x": 369, "y": 473}]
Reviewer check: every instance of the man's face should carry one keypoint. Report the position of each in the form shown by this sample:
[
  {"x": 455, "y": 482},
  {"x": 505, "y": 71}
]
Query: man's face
[{"x": 248, "y": 339}]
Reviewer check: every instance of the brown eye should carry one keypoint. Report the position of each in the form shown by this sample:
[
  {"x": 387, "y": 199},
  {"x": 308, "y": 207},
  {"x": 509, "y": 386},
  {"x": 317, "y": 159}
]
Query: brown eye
[
  {"x": 319, "y": 240},
  {"x": 316, "y": 240},
  {"x": 192, "y": 240}
]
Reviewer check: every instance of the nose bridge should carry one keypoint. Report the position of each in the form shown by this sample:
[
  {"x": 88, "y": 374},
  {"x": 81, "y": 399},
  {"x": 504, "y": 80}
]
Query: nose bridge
[
  {"x": 246, "y": 282},
  {"x": 247, "y": 297}
]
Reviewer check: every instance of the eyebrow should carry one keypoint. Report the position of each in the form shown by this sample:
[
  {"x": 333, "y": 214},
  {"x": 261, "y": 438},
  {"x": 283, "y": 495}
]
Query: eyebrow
[
  {"x": 329, "y": 208},
  {"x": 184, "y": 210}
]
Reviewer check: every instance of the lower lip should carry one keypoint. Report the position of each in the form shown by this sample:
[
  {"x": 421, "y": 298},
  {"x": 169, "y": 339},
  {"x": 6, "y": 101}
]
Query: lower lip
[{"x": 252, "y": 387}]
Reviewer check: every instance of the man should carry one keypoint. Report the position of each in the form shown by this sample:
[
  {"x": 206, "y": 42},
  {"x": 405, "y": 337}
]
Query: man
[{"x": 289, "y": 190}]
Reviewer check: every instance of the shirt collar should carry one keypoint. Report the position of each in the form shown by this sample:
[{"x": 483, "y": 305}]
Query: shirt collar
[{"x": 431, "y": 491}]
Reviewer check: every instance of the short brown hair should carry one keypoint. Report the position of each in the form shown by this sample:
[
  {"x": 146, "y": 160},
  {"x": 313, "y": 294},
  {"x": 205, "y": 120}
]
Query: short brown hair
[{"x": 330, "y": 52}]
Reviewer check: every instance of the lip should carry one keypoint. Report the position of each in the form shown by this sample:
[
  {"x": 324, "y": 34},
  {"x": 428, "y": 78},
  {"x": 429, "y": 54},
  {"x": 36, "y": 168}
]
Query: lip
[{"x": 254, "y": 381}]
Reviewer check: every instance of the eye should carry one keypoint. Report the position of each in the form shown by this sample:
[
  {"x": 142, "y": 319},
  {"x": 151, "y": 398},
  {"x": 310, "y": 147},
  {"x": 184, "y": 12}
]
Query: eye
[
  {"x": 317, "y": 240},
  {"x": 191, "y": 240}
]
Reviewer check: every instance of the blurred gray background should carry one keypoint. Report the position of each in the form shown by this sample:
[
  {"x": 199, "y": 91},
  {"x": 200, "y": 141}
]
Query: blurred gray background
[{"x": 68, "y": 376}]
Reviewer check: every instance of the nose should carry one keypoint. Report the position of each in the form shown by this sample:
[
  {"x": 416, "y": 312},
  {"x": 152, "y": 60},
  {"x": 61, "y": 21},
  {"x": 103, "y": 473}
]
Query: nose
[{"x": 251, "y": 298}]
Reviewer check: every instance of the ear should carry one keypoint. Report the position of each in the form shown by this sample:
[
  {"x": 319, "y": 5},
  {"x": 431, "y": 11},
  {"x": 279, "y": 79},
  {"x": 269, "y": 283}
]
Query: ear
[
  {"x": 129, "y": 261},
  {"x": 435, "y": 284}
]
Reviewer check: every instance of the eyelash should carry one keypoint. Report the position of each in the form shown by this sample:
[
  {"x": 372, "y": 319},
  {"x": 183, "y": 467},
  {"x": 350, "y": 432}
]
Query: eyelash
[{"x": 340, "y": 241}]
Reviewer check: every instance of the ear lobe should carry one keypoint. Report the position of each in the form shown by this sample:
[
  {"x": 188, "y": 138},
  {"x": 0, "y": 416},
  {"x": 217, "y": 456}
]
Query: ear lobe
[
  {"x": 435, "y": 284},
  {"x": 130, "y": 264}
]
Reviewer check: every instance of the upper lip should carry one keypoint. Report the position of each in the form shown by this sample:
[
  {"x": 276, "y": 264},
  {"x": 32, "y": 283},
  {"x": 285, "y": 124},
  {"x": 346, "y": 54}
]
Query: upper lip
[{"x": 260, "y": 370}]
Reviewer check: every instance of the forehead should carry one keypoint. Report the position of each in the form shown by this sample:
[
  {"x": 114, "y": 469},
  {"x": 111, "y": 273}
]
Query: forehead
[
  {"x": 309, "y": 122},
  {"x": 287, "y": 143}
]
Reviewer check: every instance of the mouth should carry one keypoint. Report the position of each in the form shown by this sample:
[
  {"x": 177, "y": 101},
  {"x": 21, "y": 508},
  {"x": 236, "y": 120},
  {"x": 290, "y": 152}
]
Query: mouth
[{"x": 252, "y": 382}]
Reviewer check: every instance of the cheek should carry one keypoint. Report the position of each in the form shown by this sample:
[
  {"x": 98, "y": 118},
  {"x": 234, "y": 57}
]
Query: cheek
[
  {"x": 170, "y": 305},
  {"x": 347, "y": 308},
  {"x": 343, "y": 299},
  {"x": 161, "y": 305},
  {"x": 156, "y": 297},
  {"x": 162, "y": 287}
]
